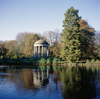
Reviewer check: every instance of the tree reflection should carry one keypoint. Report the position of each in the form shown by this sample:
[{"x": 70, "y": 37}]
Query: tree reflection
[
  {"x": 71, "y": 82},
  {"x": 79, "y": 83},
  {"x": 27, "y": 79}
]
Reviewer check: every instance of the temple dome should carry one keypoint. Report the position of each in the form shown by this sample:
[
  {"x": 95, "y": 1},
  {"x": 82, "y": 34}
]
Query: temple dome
[{"x": 43, "y": 42}]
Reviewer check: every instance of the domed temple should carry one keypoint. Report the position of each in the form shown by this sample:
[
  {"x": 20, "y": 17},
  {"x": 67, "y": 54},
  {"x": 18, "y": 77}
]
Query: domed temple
[{"x": 39, "y": 47}]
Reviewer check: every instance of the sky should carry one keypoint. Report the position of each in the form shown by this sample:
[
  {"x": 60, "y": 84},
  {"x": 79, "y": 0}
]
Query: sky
[{"x": 38, "y": 16}]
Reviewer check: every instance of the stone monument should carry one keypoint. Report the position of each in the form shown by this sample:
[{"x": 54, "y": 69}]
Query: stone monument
[{"x": 39, "y": 47}]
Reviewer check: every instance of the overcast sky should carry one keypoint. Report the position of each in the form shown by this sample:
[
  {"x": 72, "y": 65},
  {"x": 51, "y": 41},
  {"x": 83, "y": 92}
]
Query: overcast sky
[{"x": 42, "y": 15}]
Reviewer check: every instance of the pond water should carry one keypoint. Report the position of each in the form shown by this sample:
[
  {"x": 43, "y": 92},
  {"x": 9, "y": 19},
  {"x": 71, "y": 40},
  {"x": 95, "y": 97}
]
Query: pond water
[{"x": 50, "y": 82}]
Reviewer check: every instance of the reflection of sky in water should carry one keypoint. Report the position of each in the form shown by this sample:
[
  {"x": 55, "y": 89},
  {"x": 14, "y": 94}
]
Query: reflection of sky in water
[{"x": 55, "y": 83}]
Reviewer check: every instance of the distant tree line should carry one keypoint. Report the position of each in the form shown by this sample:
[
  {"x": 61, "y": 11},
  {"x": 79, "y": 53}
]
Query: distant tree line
[
  {"x": 77, "y": 41},
  {"x": 23, "y": 46}
]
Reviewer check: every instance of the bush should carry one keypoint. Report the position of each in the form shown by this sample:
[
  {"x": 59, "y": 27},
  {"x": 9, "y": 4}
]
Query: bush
[
  {"x": 87, "y": 61},
  {"x": 42, "y": 61},
  {"x": 55, "y": 61},
  {"x": 93, "y": 60},
  {"x": 48, "y": 61}
]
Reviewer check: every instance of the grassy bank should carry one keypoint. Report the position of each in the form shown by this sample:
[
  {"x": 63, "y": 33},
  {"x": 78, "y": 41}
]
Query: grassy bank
[
  {"x": 46, "y": 61},
  {"x": 30, "y": 61}
]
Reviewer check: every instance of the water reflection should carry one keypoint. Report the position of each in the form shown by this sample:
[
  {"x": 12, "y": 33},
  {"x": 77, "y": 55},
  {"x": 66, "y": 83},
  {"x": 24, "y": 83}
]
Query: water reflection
[
  {"x": 78, "y": 83},
  {"x": 26, "y": 78},
  {"x": 50, "y": 82}
]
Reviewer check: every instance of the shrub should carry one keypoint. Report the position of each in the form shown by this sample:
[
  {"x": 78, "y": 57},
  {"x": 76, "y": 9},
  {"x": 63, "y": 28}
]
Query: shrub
[
  {"x": 48, "y": 61},
  {"x": 55, "y": 61},
  {"x": 42, "y": 61},
  {"x": 93, "y": 60},
  {"x": 87, "y": 61}
]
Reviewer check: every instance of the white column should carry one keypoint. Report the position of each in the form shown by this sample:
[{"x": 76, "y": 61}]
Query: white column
[
  {"x": 42, "y": 51},
  {"x": 34, "y": 76},
  {"x": 34, "y": 50},
  {"x": 38, "y": 51},
  {"x": 48, "y": 51}
]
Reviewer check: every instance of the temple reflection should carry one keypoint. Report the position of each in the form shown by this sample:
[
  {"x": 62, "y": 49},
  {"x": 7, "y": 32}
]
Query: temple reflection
[
  {"x": 27, "y": 79},
  {"x": 40, "y": 77}
]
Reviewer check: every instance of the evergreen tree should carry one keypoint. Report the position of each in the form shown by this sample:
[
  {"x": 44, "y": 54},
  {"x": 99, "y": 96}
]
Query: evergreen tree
[{"x": 71, "y": 36}]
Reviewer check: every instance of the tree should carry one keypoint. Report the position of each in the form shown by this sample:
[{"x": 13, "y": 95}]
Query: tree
[
  {"x": 56, "y": 44},
  {"x": 53, "y": 38},
  {"x": 49, "y": 37},
  {"x": 29, "y": 45},
  {"x": 12, "y": 45},
  {"x": 87, "y": 40},
  {"x": 22, "y": 38},
  {"x": 3, "y": 51},
  {"x": 71, "y": 36},
  {"x": 97, "y": 43},
  {"x": 54, "y": 51},
  {"x": 3, "y": 41}
]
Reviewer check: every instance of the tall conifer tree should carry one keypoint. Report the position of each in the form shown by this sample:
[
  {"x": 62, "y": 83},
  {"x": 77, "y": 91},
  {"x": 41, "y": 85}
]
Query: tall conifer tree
[{"x": 71, "y": 49}]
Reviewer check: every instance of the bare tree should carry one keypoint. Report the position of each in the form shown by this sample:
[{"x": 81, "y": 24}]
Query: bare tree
[
  {"x": 97, "y": 43},
  {"x": 53, "y": 38}
]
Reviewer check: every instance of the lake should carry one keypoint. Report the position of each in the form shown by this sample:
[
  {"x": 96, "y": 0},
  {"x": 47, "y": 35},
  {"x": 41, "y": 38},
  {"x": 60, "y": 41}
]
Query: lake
[{"x": 50, "y": 82}]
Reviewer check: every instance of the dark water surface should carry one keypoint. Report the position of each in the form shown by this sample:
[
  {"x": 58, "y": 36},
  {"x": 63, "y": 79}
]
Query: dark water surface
[{"x": 50, "y": 82}]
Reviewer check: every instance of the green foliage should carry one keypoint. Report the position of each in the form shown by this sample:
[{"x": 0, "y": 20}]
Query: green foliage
[
  {"x": 22, "y": 38},
  {"x": 55, "y": 61},
  {"x": 48, "y": 61},
  {"x": 87, "y": 61},
  {"x": 3, "y": 51},
  {"x": 87, "y": 40},
  {"x": 71, "y": 36},
  {"x": 93, "y": 60},
  {"x": 29, "y": 49},
  {"x": 42, "y": 61},
  {"x": 77, "y": 38},
  {"x": 42, "y": 67},
  {"x": 30, "y": 61}
]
